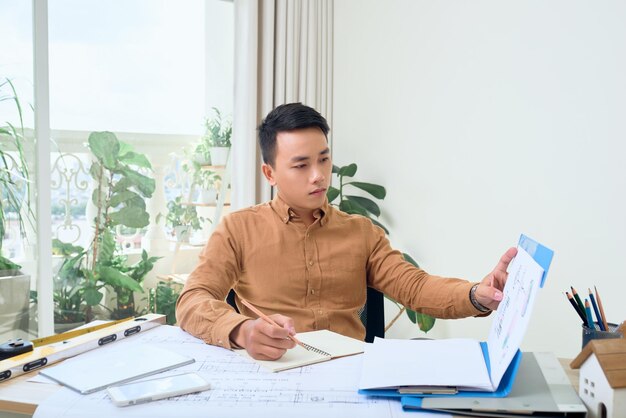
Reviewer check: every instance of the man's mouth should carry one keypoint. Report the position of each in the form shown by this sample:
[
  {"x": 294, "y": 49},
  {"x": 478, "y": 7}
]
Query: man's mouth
[{"x": 318, "y": 191}]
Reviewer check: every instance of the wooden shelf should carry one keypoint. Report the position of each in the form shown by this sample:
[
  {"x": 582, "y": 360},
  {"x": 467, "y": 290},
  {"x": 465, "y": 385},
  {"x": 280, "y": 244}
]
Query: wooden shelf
[{"x": 204, "y": 205}]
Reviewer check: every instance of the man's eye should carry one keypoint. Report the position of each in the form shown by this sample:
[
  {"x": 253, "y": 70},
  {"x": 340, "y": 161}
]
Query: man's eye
[
  {"x": 325, "y": 159},
  {"x": 300, "y": 166}
]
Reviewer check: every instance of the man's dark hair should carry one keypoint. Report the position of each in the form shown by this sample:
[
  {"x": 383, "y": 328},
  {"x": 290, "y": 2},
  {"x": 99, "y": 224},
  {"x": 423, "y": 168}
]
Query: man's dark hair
[{"x": 287, "y": 117}]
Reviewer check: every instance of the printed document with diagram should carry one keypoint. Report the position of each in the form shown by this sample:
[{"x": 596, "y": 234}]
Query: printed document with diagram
[{"x": 393, "y": 367}]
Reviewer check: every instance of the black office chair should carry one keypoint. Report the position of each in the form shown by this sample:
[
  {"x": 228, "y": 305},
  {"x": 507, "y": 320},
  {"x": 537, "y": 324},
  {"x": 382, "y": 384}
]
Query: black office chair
[{"x": 372, "y": 314}]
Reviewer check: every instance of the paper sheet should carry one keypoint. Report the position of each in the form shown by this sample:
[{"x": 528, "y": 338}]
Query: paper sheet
[
  {"x": 240, "y": 388},
  {"x": 510, "y": 321},
  {"x": 450, "y": 362}
]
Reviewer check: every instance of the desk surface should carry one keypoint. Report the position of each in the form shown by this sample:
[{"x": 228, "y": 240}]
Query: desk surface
[{"x": 20, "y": 396}]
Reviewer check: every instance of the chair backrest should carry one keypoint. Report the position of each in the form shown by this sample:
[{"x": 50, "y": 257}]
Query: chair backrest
[{"x": 372, "y": 314}]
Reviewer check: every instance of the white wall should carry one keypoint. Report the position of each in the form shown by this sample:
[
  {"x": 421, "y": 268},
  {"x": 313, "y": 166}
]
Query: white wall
[{"x": 487, "y": 119}]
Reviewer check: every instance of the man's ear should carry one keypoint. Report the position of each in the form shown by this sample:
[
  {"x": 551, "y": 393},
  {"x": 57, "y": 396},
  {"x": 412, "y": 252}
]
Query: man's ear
[{"x": 268, "y": 172}]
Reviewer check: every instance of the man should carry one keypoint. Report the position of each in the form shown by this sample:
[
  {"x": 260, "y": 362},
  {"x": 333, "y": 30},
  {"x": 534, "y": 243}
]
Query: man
[{"x": 305, "y": 263}]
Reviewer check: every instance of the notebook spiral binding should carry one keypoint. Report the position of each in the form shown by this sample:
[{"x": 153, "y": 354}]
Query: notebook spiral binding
[{"x": 316, "y": 350}]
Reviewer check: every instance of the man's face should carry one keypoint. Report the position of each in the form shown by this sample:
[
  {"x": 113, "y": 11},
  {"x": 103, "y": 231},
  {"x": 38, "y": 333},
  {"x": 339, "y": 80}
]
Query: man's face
[{"x": 302, "y": 168}]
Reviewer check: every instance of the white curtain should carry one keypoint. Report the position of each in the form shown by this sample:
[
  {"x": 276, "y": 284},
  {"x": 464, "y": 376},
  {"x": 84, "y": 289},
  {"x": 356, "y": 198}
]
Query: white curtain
[{"x": 283, "y": 54}]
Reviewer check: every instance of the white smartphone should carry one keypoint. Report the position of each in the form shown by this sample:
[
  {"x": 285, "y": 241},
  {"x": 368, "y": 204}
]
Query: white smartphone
[{"x": 159, "y": 388}]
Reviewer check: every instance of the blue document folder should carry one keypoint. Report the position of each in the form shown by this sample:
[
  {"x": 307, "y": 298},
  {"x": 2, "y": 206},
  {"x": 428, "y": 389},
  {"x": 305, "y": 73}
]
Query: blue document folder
[
  {"x": 504, "y": 388},
  {"x": 543, "y": 256}
]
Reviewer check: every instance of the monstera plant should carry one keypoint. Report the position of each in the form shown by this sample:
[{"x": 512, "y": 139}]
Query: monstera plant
[{"x": 367, "y": 207}]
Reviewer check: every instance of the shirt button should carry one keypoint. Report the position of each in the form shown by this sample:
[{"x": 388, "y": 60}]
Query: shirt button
[
  {"x": 312, "y": 291},
  {"x": 220, "y": 342},
  {"x": 286, "y": 219},
  {"x": 320, "y": 312},
  {"x": 311, "y": 263}
]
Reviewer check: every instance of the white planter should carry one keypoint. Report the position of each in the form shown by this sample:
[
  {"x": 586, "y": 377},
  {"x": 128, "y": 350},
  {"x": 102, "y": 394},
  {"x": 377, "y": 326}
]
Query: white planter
[
  {"x": 219, "y": 155},
  {"x": 207, "y": 196},
  {"x": 182, "y": 233},
  {"x": 14, "y": 306}
]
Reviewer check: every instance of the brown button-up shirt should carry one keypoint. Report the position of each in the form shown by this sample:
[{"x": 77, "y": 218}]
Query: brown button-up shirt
[{"x": 316, "y": 275}]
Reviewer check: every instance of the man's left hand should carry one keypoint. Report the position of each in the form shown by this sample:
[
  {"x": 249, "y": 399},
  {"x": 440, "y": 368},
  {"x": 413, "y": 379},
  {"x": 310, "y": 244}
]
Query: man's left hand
[{"x": 489, "y": 291}]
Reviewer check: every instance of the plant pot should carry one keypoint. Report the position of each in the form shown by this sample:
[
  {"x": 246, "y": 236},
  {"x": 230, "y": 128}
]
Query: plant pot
[
  {"x": 182, "y": 233},
  {"x": 14, "y": 305},
  {"x": 207, "y": 196},
  {"x": 219, "y": 155}
]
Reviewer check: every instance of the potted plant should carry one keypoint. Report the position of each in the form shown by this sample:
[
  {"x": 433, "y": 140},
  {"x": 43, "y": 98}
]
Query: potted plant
[
  {"x": 367, "y": 207},
  {"x": 125, "y": 296},
  {"x": 204, "y": 179},
  {"x": 218, "y": 133},
  {"x": 182, "y": 218},
  {"x": 15, "y": 208},
  {"x": 162, "y": 300},
  {"x": 120, "y": 200},
  {"x": 68, "y": 298}
]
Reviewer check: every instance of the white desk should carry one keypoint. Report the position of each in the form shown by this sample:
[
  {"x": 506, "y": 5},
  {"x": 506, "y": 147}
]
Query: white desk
[{"x": 20, "y": 396}]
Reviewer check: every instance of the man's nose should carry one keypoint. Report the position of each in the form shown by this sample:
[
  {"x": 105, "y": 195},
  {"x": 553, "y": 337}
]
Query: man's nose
[{"x": 318, "y": 175}]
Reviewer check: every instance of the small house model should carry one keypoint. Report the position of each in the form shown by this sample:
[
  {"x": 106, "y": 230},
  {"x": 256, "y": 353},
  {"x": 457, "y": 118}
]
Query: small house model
[{"x": 602, "y": 384}]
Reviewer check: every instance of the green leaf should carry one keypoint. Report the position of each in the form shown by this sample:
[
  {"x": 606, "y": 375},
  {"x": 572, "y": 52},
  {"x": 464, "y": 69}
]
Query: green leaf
[
  {"x": 136, "y": 159},
  {"x": 115, "y": 278},
  {"x": 332, "y": 193},
  {"x": 106, "y": 148},
  {"x": 97, "y": 197},
  {"x": 412, "y": 315},
  {"x": 8, "y": 265},
  {"x": 132, "y": 217},
  {"x": 365, "y": 203},
  {"x": 63, "y": 248},
  {"x": 118, "y": 198},
  {"x": 375, "y": 190},
  {"x": 425, "y": 322},
  {"x": 125, "y": 148},
  {"x": 348, "y": 171},
  {"x": 136, "y": 202},
  {"x": 375, "y": 222},
  {"x": 335, "y": 169},
  {"x": 410, "y": 259},
  {"x": 144, "y": 184},
  {"x": 92, "y": 296},
  {"x": 122, "y": 184},
  {"x": 95, "y": 171},
  {"x": 107, "y": 247}
]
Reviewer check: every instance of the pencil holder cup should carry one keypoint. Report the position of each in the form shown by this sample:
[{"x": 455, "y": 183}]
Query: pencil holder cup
[{"x": 596, "y": 334}]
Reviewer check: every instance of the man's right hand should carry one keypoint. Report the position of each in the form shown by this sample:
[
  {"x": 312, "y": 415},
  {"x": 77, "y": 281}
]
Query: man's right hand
[{"x": 262, "y": 340}]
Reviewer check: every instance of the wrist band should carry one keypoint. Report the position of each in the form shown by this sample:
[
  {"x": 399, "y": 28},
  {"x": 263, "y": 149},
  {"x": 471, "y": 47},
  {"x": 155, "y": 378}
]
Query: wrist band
[{"x": 477, "y": 304}]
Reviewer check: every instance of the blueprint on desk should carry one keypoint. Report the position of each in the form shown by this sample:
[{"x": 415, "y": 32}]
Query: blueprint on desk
[{"x": 239, "y": 387}]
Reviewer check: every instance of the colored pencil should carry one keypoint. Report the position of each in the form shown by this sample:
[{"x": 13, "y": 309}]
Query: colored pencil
[
  {"x": 580, "y": 303},
  {"x": 595, "y": 310},
  {"x": 576, "y": 308},
  {"x": 589, "y": 316},
  {"x": 604, "y": 321}
]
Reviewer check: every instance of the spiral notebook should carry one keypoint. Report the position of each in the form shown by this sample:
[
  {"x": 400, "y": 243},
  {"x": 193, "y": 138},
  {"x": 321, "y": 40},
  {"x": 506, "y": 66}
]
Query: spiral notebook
[{"x": 324, "y": 345}]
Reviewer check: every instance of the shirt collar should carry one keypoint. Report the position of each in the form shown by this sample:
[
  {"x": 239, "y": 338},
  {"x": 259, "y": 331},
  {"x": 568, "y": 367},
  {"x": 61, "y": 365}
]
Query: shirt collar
[{"x": 287, "y": 214}]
